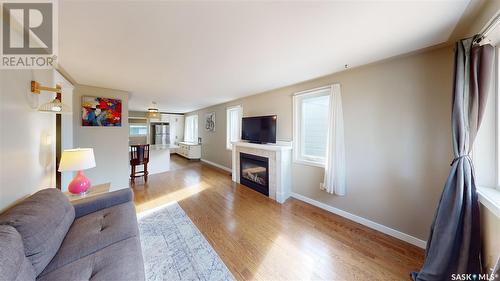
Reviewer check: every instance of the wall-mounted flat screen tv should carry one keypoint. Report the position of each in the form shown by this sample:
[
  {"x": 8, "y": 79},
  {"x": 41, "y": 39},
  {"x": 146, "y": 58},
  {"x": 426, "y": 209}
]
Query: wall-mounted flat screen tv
[{"x": 259, "y": 129}]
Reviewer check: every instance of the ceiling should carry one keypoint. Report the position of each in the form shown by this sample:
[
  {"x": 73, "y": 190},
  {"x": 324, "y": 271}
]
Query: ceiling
[{"x": 189, "y": 55}]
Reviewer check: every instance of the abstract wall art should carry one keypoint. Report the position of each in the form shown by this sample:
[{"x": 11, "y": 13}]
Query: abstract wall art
[
  {"x": 210, "y": 122},
  {"x": 101, "y": 112}
]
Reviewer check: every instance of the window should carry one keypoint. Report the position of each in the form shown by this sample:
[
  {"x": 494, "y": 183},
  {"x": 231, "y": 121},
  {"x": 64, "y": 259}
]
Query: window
[
  {"x": 486, "y": 152},
  {"x": 191, "y": 129},
  {"x": 311, "y": 109},
  {"x": 233, "y": 128},
  {"x": 138, "y": 130}
]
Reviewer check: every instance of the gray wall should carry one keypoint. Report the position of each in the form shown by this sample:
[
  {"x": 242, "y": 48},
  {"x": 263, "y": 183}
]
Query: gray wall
[
  {"x": 397, "y": 129},
  {"x": 110, "y": 144}
]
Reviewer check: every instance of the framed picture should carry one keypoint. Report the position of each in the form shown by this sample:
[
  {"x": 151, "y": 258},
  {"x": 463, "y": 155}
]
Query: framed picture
[
  {"x": 210, "y": 122},
  {"x": 101, "y": 112}
]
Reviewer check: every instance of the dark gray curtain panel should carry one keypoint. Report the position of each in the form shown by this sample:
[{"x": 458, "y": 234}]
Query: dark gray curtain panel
[{"x": 454, "y": 244}]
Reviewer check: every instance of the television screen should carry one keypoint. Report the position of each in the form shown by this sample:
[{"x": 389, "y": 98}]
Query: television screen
[{"x": 260, "y": 129}]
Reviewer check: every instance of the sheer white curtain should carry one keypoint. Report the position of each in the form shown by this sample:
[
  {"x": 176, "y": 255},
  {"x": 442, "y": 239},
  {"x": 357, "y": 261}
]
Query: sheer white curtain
[
  {"x": 191, "y": 129},
  {"x": 335, "y": 169}
]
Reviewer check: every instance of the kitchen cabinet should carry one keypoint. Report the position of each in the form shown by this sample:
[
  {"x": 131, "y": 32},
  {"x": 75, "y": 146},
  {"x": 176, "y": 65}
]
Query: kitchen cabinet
[
  {"x": 165, "y": 118},
  {"x": 176, "y": 128},
  {"x": 189, "y": 150}
]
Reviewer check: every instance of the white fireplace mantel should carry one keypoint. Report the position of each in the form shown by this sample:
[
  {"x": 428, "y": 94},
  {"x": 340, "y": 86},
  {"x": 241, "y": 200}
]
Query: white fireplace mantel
[{"x": 280, "y": 166}]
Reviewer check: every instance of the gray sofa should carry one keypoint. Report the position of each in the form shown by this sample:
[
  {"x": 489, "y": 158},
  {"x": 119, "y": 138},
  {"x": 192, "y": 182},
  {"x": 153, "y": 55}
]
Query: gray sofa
[{"x": 45, "y": 237}]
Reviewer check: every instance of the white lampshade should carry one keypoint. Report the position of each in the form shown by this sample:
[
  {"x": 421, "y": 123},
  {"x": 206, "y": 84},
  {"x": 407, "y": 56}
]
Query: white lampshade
[{"x": 77, "y": 159}]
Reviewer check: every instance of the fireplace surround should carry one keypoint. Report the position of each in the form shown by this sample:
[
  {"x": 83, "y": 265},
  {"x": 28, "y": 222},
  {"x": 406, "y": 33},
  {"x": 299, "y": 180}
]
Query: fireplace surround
[{"x": 279, "y": 166}]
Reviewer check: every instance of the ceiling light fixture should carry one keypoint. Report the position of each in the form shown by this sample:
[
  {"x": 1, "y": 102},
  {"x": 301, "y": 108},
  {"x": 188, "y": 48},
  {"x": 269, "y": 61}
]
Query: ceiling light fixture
[
  {"x": 153, "y": 112},
  {"x": 54, "y": 106}
]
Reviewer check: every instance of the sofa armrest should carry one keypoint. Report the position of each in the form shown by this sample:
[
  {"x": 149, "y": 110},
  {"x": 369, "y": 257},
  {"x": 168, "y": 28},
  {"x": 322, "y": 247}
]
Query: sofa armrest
[{"x": 95, "y": 203}]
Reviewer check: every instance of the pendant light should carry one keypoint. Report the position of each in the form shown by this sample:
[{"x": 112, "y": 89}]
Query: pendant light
[
  {"x": 153, "y": 112},
  {"x": 55, "y": 106}
]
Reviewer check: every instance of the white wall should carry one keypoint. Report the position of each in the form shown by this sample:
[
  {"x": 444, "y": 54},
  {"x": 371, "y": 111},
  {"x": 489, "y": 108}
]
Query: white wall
[
  {"x": 27, "y": 137},
  {"x": 110, "y": 144},
  {"x": 66, "y": 123}
]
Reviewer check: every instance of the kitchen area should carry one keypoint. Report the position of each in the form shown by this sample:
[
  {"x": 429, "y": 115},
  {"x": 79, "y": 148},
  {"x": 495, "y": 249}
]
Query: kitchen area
[{"x": 165, "y": 135}]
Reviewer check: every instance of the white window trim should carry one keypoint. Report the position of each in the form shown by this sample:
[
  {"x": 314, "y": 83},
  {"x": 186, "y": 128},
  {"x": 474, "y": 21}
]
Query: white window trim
[
  {"x": 229, "y": 145},
  {"x": 490, "y": 198},
  {"x": 497, "y": 115},
  {"x": 297, "y": 157}
]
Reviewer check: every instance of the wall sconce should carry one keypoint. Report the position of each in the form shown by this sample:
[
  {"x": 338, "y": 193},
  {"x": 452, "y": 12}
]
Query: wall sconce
[{"x": 54, "y": 106}]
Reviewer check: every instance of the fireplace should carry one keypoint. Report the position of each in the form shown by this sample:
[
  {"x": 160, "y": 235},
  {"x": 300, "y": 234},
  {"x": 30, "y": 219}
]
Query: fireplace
[{"x": 254, "y": 172}]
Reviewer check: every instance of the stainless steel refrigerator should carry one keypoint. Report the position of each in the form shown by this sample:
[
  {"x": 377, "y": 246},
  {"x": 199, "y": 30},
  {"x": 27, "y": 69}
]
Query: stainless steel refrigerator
[{"x": 161, "y": 134}]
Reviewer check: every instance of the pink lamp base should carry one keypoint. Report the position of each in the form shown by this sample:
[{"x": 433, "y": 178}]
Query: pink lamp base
[{"x": 80, "y": 184}]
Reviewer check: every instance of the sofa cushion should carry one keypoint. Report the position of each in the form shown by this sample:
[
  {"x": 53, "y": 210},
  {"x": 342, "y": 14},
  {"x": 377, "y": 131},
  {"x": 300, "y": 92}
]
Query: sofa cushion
[
  {"x": 120, "y": 261},
  {"x": 92, "y": 204},
  {"x": 95, "y": 231},
  {"x": 43, "y": 220},
  {"x": 13, "y": 263}
]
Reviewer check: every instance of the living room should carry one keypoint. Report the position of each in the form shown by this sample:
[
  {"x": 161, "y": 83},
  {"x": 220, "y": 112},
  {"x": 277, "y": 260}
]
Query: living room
[{"x": 270, "y": 140}]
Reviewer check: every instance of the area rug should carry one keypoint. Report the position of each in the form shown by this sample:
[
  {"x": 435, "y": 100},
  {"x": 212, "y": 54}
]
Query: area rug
[{"x": 174, "y": 249}]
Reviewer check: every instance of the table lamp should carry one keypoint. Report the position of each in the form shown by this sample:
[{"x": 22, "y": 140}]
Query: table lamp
[{"x": 78, "y": 159}]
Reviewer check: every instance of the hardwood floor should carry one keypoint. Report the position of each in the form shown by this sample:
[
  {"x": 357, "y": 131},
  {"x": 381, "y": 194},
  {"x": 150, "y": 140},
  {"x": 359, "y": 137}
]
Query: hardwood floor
[{"x": 260, "y": 239}]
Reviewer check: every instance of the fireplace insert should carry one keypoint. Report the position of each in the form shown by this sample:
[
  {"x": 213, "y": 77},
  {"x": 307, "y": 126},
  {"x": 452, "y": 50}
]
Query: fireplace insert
[{"x": 254, "y": 172}]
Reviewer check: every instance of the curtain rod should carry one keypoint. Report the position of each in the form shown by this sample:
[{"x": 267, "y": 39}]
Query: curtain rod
[{"x": 490, "y": 26}]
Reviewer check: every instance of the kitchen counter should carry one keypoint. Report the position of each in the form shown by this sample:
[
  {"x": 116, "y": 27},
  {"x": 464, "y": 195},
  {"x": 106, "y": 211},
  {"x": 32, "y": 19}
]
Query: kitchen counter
[
  {"x": 162, "y": 146},
  {"x": 159, "y": 158},
  {"x": 189, "y": 143}
]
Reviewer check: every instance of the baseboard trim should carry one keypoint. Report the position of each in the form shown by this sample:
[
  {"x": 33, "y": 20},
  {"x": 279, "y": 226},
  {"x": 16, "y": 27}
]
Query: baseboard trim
[
  {"x": 371, "y": 224},
  {"x": 216, "y": 165}
]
